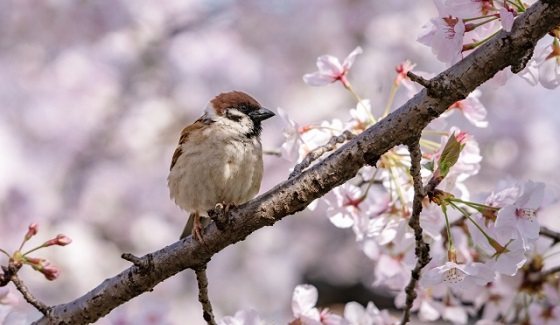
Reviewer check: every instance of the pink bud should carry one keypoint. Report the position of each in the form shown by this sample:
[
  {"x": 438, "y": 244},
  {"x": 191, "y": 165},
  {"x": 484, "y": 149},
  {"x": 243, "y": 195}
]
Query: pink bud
[
  {"x": 32, "y": 231},
  {"x": 35, "y": 262},
  {"x": 50, "y": 272},
  {"x": 60, "y": 240}
]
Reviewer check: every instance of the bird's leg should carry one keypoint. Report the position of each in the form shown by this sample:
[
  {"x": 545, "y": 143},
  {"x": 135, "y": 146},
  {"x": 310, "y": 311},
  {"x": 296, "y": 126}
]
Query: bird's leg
[{"x": 197, "y": 227}]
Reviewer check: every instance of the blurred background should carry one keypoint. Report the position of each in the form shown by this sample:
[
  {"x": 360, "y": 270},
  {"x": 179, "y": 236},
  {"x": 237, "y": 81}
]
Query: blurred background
[{"x": 94, "y": 94}]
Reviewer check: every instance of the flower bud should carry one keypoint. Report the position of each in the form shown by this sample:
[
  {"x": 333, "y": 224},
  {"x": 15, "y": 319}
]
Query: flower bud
[
  {"x": 60, "y": 240},
  {"x": 32, "y": 231}
]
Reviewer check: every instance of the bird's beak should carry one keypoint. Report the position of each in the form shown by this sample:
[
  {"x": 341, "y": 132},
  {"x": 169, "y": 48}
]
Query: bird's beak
[{"x": 261, "y": 114}]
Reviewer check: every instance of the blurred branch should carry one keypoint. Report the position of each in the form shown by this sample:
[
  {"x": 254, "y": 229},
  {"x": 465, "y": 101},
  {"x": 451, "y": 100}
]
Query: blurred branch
[
  {"x": 202, "y": 281},
  {"x": 293, "y": 195},
  {"x": 547, "y": 232}
]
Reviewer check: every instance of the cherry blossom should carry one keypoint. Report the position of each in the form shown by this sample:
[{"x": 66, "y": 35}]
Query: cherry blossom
[
  {"x": 518, "y": 220},
  {"x": 445, "y": 37},
  {"x": 356, "y": 314},
  {"x": 8, "y": 298},
  {"x": 402, "y": 71},
  {"x": 544, "y": 314},
  {"x": 291, "y": 131},
  {"x": 468, "y": 8},
  {"x": 548, "y": 61},
  {"x": 331, "y": 70},
  {"x": 242, "y": 317},
  {"x": 457, "y": 275},
  {"x": 348, "y": 207},
  {"x": 472, "y": 109},
  {"x": 506, "y": 17},
  {"x": 303, "y": 306}
]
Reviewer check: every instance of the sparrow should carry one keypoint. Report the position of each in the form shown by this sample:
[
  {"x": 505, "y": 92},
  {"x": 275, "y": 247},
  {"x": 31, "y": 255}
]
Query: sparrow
[{"x": 218, "y": 158}]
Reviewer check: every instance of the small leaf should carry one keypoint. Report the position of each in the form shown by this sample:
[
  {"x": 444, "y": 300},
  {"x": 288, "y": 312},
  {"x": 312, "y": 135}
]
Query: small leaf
[
  {"x": 429, "y": 166},
  {"x": 449, "y": 155}
]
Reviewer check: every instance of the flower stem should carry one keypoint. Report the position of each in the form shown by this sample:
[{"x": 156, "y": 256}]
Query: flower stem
[
  {"x": 444, "y": 209},
  {"x": 394, "y": 88},
  {"x": 360, "y": 101},
  {"x": 468, "y": 216}
]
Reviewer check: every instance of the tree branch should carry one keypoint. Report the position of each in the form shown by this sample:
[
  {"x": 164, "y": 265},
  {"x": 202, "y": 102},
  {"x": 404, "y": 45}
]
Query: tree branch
[
  {"x": 202, "y": 281},
  {"x": 547, "y": 232},
  {"x": 295, "y": 194},
  {"x": 44, "y": 309},
  {"x": 422, "y": 250}
]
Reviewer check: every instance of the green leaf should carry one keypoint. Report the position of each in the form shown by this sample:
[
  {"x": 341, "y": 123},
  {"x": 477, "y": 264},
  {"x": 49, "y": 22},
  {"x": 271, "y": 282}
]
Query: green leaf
[{"x": 449, "y": 155}]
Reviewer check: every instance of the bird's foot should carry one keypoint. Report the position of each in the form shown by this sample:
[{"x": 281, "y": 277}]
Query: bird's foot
[{"x": 220, "y": 215}]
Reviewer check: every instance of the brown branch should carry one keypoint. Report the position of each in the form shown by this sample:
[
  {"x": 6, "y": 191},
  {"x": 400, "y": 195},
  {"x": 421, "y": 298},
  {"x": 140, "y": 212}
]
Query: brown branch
[
  {"x": 547, "y": 232},
  {"x": 419, "y": 80},
  {"x": 295, "y": 194},
  {"x": 422, "y": 250},
  {"x": 202, "y": 280},
  {"x": 321, "y": 150},
  {"x": 44, "y": 309}
]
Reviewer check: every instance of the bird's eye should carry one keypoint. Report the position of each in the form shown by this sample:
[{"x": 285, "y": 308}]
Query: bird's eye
[{"x": 244, "y": 108}]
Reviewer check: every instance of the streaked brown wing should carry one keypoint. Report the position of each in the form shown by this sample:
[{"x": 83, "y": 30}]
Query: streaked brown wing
[{"x": 184, "y": 136}]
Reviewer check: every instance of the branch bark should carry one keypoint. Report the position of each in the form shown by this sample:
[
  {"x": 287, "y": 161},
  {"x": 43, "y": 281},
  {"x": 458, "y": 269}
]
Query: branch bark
[{"x": 293, "y": 195}]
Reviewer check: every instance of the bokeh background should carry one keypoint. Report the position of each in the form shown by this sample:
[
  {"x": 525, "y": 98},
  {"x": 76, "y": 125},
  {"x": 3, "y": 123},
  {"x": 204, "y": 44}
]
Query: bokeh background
[{"x": 94, "y": 94}]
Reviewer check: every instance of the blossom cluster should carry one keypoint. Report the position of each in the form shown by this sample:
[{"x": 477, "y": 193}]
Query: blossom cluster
[
  {"x": 464, "y": 25},
  {"x": 475, "y": 246},
  {"x": 20, "y": 258}
]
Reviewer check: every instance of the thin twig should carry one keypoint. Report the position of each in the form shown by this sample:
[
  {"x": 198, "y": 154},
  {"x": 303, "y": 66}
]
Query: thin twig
[
  {"x": 272, "y": 152},
  {"x": 145, "y": 263},
  {"x": 422, "y": 250},
  {"x": 44, "y": 309},
  {"x": 319, "y": 151},
  {"x": 202, "y": 280},
  {"x": 547, "y": 232},
  {"x": 419, "y": 80}
]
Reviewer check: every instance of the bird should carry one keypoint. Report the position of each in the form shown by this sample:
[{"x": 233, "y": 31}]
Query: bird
[{"x": 218, "y": 159}]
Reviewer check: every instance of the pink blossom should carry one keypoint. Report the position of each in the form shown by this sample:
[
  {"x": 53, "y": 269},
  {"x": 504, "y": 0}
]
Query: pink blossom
[
  {"x": 361, "y": 116},
  {"x": 544, "y": 67},
  {"x": 331, "y": 70},
  {"x": 472, "y": 109},
  {"x": 445, "y": 37},
  {"x": 457, "y": 275},
  {"x": 303, "y": 302},
  {"x": 548, "y": 61},
  {"x": 544, "y": 314},
  {"x": 291, "y": 131},
  {"x": 356, "y": 314},
  {"x": 402, "y": 71},
  {"x": 242, "y": 317},
  {"x": 518, "y": 220},
  {"x": 506, "y": 17},
  {"x": 7, "y": 298},
  {"x": 350, "y": 206},
  {"x": 507, "y": 255},
  {"x": 303, "y": 306},
  {"x": 468, "y": 8}
]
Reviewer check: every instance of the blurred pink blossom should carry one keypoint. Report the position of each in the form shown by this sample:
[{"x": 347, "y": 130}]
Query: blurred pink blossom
[{"x": 331, "y": 70}]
